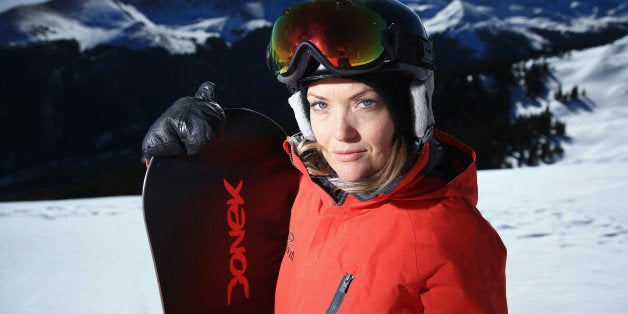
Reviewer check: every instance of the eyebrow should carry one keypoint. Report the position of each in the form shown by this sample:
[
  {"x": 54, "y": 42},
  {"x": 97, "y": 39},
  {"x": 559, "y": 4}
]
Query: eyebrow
[{"x": 354, "y": 96}]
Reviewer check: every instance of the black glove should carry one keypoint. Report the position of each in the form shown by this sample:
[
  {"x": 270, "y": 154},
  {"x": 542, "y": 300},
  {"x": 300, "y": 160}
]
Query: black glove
[{"x": 189, "y": 124}]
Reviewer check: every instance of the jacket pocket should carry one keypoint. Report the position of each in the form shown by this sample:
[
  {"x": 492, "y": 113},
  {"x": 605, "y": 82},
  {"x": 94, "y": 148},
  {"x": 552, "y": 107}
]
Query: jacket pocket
[{"x": 339, "y": 296}]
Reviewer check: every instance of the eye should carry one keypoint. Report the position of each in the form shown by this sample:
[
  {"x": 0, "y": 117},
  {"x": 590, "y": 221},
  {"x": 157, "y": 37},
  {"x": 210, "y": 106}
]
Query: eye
[
  {"x": 318, "y": 106},
  {"x": 367, "y": 103}
]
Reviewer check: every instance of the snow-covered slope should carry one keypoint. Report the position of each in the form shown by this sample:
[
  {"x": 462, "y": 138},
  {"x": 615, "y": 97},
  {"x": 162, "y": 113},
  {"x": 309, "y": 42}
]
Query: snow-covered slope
[
  {"x": 477, "y": 23},
  {"x": 94, "y": 22},
  {"x": 9, "y": 4},
  {"x": 562, "y": 15},
  {"x": 77, "y": 256},
  {"x": 565, "y": 227},
  {"x": 177, "y": 26},
  {"x": 566, "y": 230},
  {"x": 180, "y": 25},
  {"x": 597, "y": 124}
]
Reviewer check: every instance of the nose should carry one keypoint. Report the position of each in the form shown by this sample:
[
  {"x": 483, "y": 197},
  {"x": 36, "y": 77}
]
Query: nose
[{"x": 344, "y": 127}]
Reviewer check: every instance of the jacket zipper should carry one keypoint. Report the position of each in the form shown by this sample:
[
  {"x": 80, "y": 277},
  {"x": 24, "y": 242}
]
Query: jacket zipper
[{"x": 340, "y": 294}]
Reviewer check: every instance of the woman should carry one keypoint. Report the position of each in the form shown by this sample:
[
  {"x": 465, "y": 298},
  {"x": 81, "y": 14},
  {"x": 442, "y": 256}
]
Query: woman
[{"x": 385, "y": 217}]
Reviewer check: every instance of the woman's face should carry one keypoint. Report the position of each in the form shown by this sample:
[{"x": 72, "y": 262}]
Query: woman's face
[{"x": 352, "y": 124}]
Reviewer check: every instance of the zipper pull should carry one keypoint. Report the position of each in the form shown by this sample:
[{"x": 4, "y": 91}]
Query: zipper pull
[
  {"x": 343, "y": 287},
  {"x": 345, "y": 282}
]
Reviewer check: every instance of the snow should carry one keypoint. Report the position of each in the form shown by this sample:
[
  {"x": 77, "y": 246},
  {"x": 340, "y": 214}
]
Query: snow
[
  {"x": 166, "y": 23},
  {"x": 447, "y": 18},
  {"x": 76, "y": 256},
  {"x": 95, "y": 22},
  {"x": 461, "y": 19},
  {"x": 603, "y": 73},
  {"x": 255, "y": 9},
  {"x": 597, "y": 121},
  {"x": 565, "y": 225},
  {"x": 65, "y": 28},
  {"x": 6, "y": 5},
  {"x": 566, "y": 228}
]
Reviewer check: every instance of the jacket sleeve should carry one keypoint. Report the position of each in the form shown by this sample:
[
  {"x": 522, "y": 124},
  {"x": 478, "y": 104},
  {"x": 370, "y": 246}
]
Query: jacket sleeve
[{"x": 461, "y": 261}]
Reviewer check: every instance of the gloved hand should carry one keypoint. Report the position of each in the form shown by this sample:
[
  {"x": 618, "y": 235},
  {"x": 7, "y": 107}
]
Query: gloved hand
[{"x": 189, "y": 124}]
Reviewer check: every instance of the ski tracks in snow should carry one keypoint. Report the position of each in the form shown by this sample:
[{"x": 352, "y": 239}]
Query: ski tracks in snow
[
  {"x": 566, "y": 230},
  {"x": 76, "y": 256}
]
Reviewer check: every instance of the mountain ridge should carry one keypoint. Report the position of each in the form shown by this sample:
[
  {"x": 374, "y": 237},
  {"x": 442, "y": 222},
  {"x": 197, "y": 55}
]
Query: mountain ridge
[{"x": 180, "y": 26}]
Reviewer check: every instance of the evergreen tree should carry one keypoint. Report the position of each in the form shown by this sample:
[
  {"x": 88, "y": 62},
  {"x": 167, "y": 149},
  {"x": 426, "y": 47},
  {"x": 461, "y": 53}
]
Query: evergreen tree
[
  {"x": 558, "y": 95},
  {"x": 91, "y": 109},
  {"x": 574, "y": 93}
]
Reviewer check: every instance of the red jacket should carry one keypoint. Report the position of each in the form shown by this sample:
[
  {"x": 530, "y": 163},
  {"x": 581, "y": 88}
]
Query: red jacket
[{"x": 423, "y": 248}]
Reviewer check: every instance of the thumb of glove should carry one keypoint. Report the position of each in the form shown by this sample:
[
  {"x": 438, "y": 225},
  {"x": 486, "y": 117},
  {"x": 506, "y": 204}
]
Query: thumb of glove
[
  {"x": 188, "y": 125},
  {"x": 206, "y": 92}
]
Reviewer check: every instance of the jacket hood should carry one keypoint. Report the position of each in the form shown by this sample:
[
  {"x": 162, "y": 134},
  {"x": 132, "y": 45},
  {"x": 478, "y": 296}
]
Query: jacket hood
[{"x": 445, "y": 168}]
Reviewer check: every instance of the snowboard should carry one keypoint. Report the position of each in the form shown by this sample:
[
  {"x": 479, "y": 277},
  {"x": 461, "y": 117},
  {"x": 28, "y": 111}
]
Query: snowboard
[{"x": 218, "y": 221}]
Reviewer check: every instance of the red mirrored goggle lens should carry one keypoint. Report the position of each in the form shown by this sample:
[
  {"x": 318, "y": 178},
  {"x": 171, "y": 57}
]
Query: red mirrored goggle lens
[{"x": 346, "y": 34}]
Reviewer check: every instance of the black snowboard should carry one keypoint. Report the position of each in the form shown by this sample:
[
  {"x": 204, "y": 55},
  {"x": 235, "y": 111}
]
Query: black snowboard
[{"x": 218, "y": 221}]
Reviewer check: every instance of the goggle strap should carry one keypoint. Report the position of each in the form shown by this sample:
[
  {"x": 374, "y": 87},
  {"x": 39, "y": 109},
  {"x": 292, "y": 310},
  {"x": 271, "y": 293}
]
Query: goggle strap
[
  {"x": 401, "y": 45},
  {"x": 390, "y": 40}
]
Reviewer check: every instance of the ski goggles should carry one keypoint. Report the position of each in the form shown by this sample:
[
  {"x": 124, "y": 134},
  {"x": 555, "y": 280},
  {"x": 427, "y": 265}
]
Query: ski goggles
[{"x": 345, "y": 38}]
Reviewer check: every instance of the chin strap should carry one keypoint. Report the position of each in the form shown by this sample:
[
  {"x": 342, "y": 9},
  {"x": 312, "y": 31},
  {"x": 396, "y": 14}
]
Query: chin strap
[{"x": 421, "y": 95}]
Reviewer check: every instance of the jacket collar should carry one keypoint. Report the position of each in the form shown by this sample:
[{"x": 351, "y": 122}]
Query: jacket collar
[{"x": 445, "y": 168}]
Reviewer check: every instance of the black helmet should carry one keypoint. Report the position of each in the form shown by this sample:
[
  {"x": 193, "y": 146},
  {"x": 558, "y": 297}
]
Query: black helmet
[
  {"x": 330, "y": 38},
  {"x": 352, "y": 38}
]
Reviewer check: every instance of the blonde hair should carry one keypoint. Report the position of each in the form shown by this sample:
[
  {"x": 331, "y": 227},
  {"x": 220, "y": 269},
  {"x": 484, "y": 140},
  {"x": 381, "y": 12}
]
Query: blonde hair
[{"x": 311, "y": 154}]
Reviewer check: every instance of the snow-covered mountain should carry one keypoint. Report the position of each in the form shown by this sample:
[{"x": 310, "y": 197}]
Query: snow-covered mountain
[
  {"x": 180, "y": 25},
  {"x": 598, "y": 122},
  {"x": 540, "y": 24}
]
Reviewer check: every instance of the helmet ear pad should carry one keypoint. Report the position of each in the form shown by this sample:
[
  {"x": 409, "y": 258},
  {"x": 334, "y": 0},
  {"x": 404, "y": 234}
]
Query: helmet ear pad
[
  {"x": 302, "y": 114},
  {"x": 421, "y": 95},
  {"x": 415, "y": 122}
]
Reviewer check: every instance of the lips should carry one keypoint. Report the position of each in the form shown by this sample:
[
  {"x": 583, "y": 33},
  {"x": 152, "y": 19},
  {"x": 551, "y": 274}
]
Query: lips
[{"x": 348, "y": 155}]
